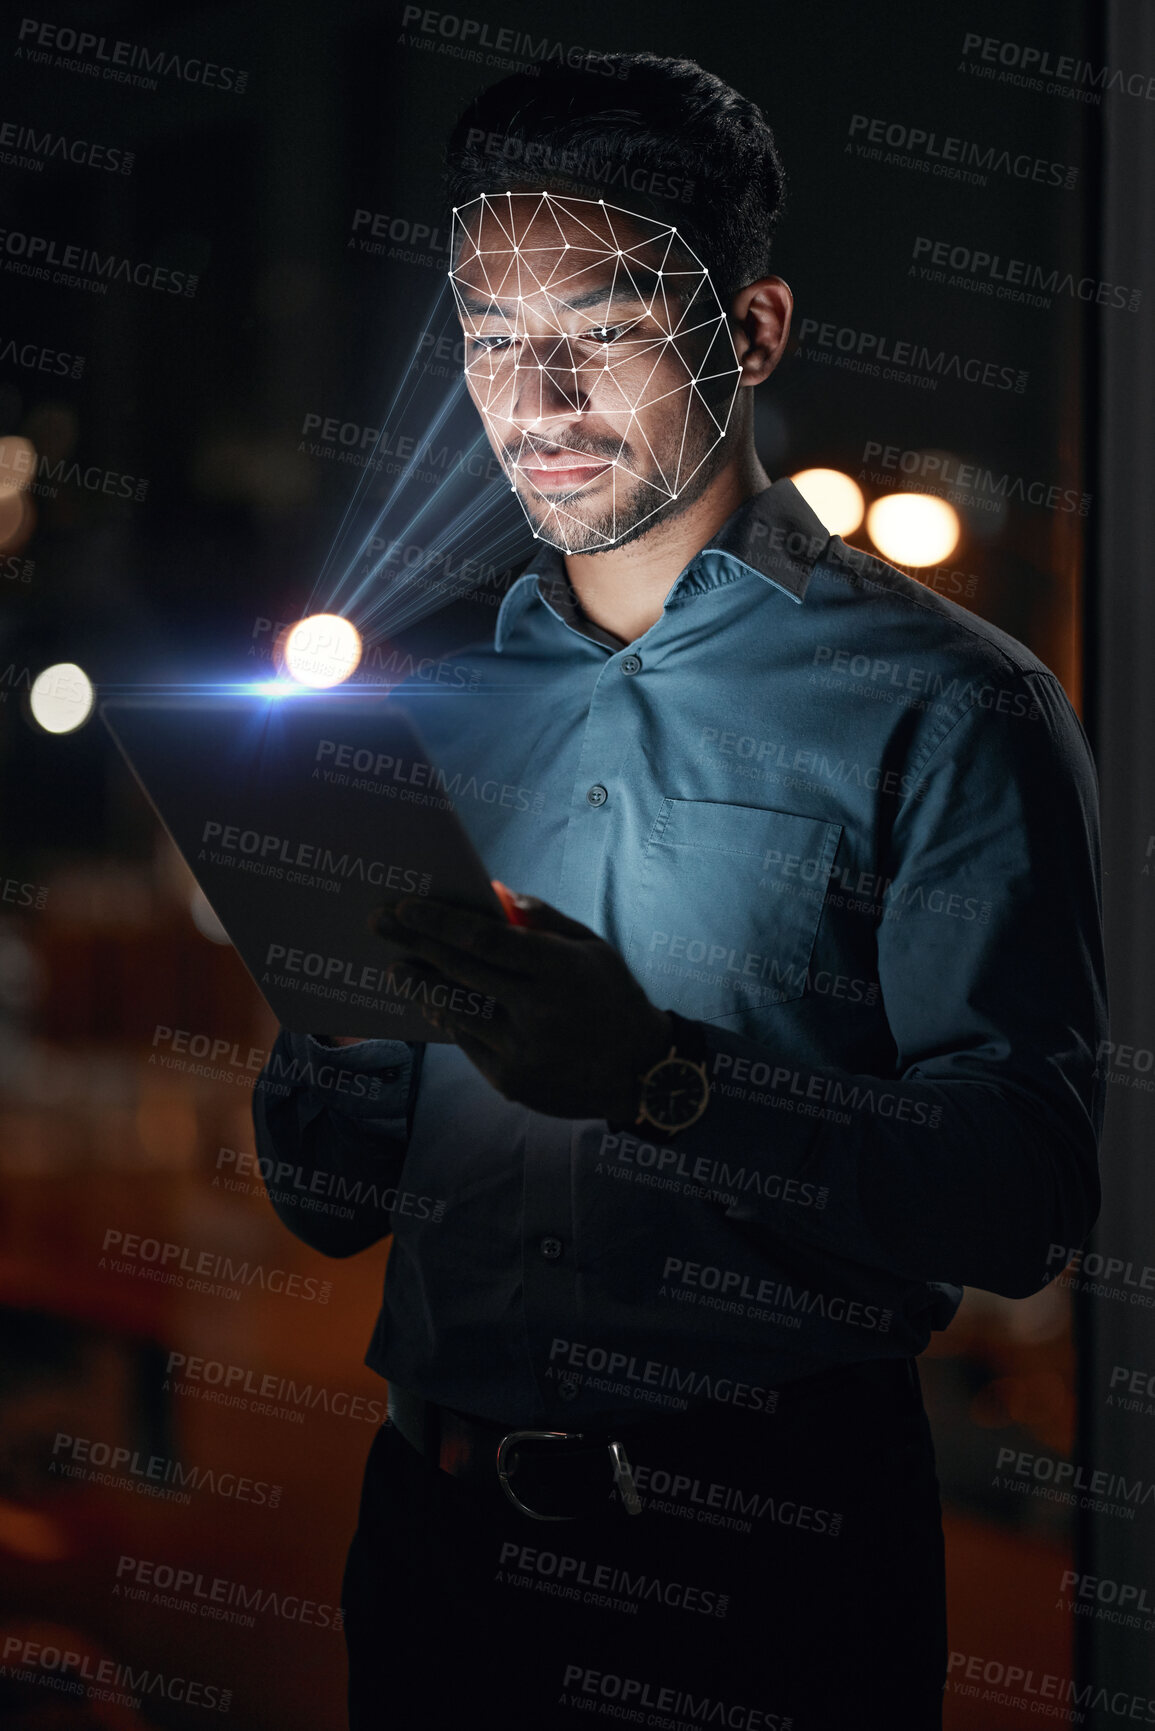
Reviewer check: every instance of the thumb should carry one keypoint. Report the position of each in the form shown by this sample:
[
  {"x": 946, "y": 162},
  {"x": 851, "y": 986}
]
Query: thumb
[{"x": 541, "y": 916}]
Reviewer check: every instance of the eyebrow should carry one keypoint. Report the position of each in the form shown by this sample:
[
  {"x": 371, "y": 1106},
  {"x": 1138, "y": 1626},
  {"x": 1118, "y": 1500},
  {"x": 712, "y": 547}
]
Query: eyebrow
[{"x": 625, "y": 289}]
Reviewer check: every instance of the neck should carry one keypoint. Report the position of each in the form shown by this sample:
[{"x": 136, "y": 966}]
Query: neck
[{"x": 623, "y": 588}]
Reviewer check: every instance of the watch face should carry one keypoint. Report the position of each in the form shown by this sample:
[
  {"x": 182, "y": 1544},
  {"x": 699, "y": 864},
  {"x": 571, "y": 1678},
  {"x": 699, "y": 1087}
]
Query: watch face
[{"x": 674, "y": 1093}]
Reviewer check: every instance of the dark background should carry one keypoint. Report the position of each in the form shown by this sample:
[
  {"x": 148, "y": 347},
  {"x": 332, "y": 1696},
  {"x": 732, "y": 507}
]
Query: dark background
[{"x": 207, "y": 398}]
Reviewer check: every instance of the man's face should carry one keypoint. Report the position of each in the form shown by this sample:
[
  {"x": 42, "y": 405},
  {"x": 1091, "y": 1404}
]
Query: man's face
[{"x": 599, "y": 358}]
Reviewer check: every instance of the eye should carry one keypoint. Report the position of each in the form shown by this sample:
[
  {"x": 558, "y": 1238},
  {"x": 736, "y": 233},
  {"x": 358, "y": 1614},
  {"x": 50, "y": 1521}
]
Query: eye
[
  {"x": 490, "y": 345},
  {"x": 606, "y": 333}
]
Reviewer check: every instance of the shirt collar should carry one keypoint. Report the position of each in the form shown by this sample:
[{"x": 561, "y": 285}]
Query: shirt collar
[{"x": 774, "y": 535}]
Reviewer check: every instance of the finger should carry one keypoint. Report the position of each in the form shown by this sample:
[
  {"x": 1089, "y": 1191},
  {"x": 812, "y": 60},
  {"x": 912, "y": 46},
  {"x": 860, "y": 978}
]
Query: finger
[
  {"x": 480, "y": 1055},
  {"x": 481, "y": 1039},
  {"x": 412, "y": 979},
  {"x": 433, "y": 993},
  {"x": 516, "y": 951},
  {"x": 544, "y": 917},
  {"x": 459, "y": 964},
  {"x": 490, "y": 940}
]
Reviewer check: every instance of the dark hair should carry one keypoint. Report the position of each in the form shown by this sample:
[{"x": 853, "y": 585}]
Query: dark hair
[{"x": 661, "y": 137}]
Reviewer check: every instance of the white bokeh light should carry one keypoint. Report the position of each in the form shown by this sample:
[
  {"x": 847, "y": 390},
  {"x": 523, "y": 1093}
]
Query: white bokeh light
[
  {"x": 322, "y": 650},
  {"x": 834, "y": 498},
  {"x": 913, "y": 528},
  {"x": 61, "y": 698}
]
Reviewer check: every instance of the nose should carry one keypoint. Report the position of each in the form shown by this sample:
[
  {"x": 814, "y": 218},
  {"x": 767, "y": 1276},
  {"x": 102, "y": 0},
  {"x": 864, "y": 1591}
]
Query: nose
[{"x": 548, "y": 390}]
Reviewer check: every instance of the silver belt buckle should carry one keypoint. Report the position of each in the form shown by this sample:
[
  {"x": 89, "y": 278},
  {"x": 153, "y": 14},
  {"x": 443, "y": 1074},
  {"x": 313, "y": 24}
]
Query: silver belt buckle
[{"x": 623, "y": 1475}]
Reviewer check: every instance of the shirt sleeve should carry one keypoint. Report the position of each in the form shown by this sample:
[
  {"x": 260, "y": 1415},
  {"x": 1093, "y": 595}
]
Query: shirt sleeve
[
  {"x": 974, "y": 1160},
  {"x": 332, "y": 1127}
]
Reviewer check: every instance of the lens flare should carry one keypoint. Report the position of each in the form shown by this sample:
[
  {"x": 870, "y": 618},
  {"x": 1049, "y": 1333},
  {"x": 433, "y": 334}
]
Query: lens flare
[{"x": 321, "y": 650}]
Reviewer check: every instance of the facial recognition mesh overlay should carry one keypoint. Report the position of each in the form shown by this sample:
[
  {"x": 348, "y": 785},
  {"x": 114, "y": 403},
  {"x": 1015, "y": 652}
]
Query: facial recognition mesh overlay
[{"x": 599, "y": 357}]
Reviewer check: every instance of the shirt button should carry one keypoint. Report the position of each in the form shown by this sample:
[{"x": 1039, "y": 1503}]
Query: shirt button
[
  {"x": 632, "y": 664},
  {"x": 567, "y": 1390},
  {"x": 550, "y": 1248},
  {"x": 597, "y": 794}
]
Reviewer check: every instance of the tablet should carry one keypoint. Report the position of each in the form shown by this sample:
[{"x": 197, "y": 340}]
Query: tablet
[{"x": 298, "y": 816}]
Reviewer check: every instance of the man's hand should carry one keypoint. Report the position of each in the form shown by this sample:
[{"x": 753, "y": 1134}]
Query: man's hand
[{"x": 571, "y": 1029}]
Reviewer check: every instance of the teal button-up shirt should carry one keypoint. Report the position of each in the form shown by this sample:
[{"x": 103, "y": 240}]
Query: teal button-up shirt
[{"x": 850, "y": 830}]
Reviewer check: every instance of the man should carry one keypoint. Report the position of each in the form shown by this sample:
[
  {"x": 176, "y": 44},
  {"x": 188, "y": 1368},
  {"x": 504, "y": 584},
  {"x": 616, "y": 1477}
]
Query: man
[{"x": 796, "y": 1039}]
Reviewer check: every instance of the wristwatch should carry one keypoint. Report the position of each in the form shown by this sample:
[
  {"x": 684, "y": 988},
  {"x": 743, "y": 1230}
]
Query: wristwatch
[{"x": 675, "y": 1091}]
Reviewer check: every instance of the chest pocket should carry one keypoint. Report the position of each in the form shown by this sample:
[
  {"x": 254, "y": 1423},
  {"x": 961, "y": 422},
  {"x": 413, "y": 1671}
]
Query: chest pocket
[{"x": 728, "y": 906}]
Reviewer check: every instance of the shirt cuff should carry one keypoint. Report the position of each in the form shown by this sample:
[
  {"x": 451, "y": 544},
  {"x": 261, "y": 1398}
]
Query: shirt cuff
[{"x": 366, "y": 1080}]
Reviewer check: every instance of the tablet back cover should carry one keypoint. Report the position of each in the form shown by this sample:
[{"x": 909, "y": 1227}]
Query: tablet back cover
[{"x": 299, "y": 816}]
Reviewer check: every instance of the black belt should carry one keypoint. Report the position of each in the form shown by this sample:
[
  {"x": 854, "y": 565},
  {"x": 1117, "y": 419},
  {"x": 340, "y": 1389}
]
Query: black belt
[
  {"x": 557, "y": 1475},
  {"x": 551, "y": 1475}
]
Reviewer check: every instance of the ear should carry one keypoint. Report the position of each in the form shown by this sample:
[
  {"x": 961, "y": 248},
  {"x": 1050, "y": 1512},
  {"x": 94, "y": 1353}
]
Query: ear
[{"x": 761, "y": 312}]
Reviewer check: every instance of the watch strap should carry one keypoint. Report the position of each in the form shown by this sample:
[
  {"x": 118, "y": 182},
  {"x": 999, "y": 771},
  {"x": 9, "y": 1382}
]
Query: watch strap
[{"x": 690, "y": 1040}]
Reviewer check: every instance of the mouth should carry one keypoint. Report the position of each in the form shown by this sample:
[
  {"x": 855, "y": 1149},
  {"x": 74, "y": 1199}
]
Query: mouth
[{"x": 561, "y": 473}]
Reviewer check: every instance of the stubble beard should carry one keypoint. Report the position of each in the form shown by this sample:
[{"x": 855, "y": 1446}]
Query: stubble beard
[{"x": 642, "y": 517}]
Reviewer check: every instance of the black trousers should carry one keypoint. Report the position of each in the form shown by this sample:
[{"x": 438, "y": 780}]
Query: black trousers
[{"x": 786, "y": 1574}]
